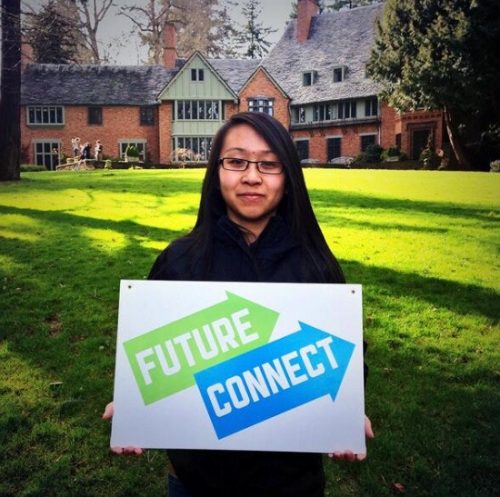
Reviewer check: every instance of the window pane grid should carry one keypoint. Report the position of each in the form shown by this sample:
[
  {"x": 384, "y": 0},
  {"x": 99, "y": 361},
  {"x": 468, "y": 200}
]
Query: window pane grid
[
  {"x": 140, "y": 146},
  {"x": 95, "y": 115},
  {"x": 45, "y": 115},
  {"x": 261, "y": 105},
  {"x": 192, "y": 148},
  {"x": 147, "y": 116},
  {"x": 47, "y": 154},
  {"x": 367, "y": 140},
  {"x": 198, "y": 110}
]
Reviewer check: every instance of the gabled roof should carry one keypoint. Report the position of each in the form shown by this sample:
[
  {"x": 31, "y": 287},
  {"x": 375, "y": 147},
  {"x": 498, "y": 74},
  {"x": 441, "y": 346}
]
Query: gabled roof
[
  {"x": 235, "y": 71},
  {"x": 220, "y": 77},
  {"x": 268, "y": 76},
  {"x": 93, "y": 85},
  {"x": 340, "y": 38}
]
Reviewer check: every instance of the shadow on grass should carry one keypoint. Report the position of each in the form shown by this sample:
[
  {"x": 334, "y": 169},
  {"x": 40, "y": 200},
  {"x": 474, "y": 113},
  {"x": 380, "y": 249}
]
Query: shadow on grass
[
  {"x": 340, "y": 221},
  {"x": 457, "y": 297},
  {"x": 336, "y": 199},
  {"x": 76, "y": 221}
]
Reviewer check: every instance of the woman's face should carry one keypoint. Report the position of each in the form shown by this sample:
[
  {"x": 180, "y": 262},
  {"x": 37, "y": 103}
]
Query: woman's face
[{"x": 251, "y": 197}]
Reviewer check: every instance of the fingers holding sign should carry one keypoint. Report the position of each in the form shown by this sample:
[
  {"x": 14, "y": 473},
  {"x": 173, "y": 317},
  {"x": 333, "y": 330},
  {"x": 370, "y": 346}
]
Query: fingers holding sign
[
  {"x": 349, "y": 455},
  {"x": 108, "y": 413}
]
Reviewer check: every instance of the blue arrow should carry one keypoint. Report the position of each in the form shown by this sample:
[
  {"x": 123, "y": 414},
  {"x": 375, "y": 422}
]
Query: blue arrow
[{"x": 273, "y": 379}]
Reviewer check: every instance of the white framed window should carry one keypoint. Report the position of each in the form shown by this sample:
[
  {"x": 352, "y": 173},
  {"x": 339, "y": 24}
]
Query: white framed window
[
  {"x": 323, "y": 112},
  {"x": 339, "y": 73},
  {"x": 346, "y": 109},
  {"x": 309, "y": 78},
  {"x": 298, "y": 114},
  {"x": 51, "y": 115},
  {"x": 47, "y": 153},
  {"x": 197, "y": 75},
  {"x": 192, "y": 148},
  {"x": 371, "y": 107},
  {"x": 138, "y": 143},
  {"x": 261, "y": 105},
  {"x": 199, "y": 110}
]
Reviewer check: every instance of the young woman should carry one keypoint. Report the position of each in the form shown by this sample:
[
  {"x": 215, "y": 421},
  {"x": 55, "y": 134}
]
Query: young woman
[{"x": 255, "y": 223}]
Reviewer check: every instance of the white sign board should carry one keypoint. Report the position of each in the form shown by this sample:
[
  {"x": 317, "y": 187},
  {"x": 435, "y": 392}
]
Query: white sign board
[{"x": 239, "y": 366}]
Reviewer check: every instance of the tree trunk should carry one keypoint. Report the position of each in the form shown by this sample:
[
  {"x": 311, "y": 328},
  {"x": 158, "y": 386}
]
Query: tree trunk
[
  {"x": 456, "y": 145},
  {"x": 10, "y": 115}
]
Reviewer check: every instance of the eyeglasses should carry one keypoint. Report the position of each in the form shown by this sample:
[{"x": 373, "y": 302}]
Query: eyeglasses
[{"x": 240, "y": 165}]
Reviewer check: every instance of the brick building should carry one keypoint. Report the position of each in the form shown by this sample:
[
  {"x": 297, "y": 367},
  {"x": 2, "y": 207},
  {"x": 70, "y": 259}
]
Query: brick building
[{"x": 314, "y": 81}]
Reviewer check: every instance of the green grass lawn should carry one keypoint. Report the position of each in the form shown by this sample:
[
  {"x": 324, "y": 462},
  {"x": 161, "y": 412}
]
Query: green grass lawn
[{"x": 425, "y": 245}]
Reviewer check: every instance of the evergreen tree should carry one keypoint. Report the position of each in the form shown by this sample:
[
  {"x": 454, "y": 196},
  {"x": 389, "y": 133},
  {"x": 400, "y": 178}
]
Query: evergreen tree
[
  {"x": 69, "y": 9},
  {"x": 207, "y": 27},
  {"x": 443, "y": 54},
  {"x": 52, "y": 36},
  {"x": 253, "y": 37},
  {"x": 225, "y": 32}
]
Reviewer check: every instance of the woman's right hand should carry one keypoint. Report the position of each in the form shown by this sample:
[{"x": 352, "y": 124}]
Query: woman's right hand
[{"x": 109, "y": 410}]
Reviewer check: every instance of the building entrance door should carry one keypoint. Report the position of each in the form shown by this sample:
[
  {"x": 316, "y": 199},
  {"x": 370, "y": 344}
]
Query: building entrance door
[{"x": 419, "y": 140}]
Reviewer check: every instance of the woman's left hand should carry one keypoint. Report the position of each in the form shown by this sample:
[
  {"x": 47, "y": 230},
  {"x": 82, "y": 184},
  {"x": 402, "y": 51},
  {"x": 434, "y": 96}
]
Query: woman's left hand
[{"x": 349, "y": 455}]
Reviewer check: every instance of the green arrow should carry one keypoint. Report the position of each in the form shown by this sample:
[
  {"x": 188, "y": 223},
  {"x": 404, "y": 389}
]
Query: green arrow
[{"x": 165, "y": 360}]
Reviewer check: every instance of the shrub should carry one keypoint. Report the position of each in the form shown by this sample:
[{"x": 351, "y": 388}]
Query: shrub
[
  {"x": 429, "y": 159},
  {"x": 371, "y": 154},
  {"x": 31, "y": 168},
  {"x": 391, "y": 154},
  {"x": 132, "y": 151},
  {"x": 495, "y": 166}
]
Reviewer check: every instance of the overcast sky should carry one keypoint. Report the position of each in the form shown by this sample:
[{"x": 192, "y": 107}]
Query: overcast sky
[{"x": 125, "y": 46}]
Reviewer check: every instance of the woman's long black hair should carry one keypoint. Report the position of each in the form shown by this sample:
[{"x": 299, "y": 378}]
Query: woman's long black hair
[{"x": 295, "y": 207}]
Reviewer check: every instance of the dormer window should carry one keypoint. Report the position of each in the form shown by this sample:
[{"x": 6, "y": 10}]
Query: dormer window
[
  {"x": 309, "y": 78},
  {"x": 339, "y": 74},
  {"x": 197, "y": 75},
  {"x": 262, "y": 104}
]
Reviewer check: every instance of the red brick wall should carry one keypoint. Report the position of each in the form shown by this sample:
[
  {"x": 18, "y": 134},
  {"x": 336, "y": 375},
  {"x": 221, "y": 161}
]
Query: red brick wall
[
  {"x": 306, "y": 9},
  {"x": 261, "y": 86},
  {"x": 388, "y": 126},
  {"x": 117, "y": 123},
  {"x": 350, "y": 144},
  {"x": 230, "y": 108},
  {"x": 165, "y": 132}
]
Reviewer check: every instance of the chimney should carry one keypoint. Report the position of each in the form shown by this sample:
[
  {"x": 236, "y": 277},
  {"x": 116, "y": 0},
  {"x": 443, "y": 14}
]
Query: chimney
[
  {"x": 26, "y": 53},
  {"x": 169, "y": 45},
  {"x": 306, "y": 10}
]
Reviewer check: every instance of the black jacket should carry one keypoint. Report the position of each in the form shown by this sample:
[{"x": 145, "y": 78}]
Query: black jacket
[{"x": 274, "y": 257}]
